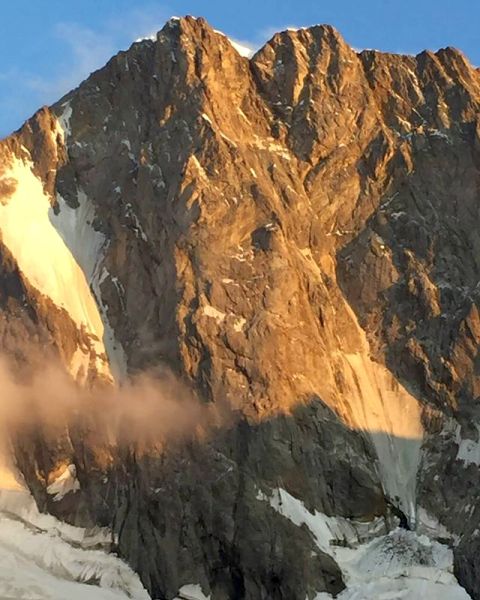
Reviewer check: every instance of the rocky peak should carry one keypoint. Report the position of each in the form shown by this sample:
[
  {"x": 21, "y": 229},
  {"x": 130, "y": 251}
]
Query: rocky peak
[{"x": 291, "y": 235}]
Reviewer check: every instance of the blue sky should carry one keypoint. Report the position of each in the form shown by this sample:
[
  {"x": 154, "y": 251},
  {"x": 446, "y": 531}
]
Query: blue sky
[{"x": 49, "y": 46}]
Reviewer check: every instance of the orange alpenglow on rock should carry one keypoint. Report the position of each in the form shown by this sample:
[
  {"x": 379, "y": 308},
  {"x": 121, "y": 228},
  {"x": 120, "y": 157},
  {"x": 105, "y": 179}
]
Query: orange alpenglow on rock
[{"x": 293, "y": 235}]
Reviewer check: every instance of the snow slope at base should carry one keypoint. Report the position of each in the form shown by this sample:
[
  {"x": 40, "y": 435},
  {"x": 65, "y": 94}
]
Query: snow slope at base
[
  {"x": 42, "y": 558},
  {"x": 392, "y": 566},
  {"x": 401, "y": 564}
]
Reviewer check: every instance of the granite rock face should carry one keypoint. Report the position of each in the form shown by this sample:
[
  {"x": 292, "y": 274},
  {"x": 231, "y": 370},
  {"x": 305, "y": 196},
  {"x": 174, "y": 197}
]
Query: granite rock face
[{"x": 293, "y": 235}]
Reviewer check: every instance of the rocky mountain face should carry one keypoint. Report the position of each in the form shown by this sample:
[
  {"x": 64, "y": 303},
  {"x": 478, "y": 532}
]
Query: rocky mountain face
[{"x": 292, "y": 235}]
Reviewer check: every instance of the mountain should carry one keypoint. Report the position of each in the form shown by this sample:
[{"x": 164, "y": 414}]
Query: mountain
[{"x": 293, "y": 239}]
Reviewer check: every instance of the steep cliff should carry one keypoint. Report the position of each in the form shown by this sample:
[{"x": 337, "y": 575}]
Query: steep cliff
[{"x": 293, "y": 235}]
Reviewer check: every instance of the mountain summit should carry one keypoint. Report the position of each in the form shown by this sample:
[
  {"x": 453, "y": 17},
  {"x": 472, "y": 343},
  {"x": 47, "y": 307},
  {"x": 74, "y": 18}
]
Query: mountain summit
[{"x": 293, "y": 236}]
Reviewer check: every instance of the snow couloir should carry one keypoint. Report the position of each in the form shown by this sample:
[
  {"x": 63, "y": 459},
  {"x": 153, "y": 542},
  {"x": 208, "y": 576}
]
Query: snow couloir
[{"x": 60, "y": 254}]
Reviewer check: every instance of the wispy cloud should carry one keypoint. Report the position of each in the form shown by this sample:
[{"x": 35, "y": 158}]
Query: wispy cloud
[
  {"x": 83, "y": 50},
  {"x": 88, "y": 49}
]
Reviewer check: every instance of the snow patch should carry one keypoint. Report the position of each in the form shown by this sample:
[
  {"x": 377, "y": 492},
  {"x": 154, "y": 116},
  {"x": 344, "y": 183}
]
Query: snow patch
[
  {"x": 115, "y": 351},
  {"x": 79, "y": 364},
  {"x": 439, "y": 134},
  {"x": 429, "y": 525},
  {"x": 65, "y": 484},
  {"x": 324, "y": 529},
  {"x": 138, "y": 229},
  {"x": 191, "y": 592},
  {"x": 201, "y": 171},
  {"x": 272, "y": 146},
  {"x": 64, "y": 119},
  {"x": 211, "y": 311},
  {"x": 228, "y": 140},
  {"x": 239, "y": 324},
  {"x": 152, "y": 38},
  {"x": 243, "y": 115},
  {"x": 468, "y": 450},
  {"x": 245, "y": 51},
  {"x": 242, "y": 48}
]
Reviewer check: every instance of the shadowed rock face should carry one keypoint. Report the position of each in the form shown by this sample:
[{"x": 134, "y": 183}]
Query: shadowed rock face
[{"x": 293, "y": 234}]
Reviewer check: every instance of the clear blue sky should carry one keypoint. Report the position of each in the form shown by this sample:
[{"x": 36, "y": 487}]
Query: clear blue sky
[{"x": 49, "y": 46}]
